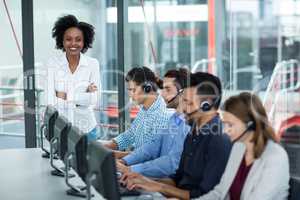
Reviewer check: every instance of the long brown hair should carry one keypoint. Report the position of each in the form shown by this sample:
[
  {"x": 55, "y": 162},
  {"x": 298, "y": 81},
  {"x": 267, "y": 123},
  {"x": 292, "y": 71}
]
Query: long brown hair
[{"x": 248, "y": 107}]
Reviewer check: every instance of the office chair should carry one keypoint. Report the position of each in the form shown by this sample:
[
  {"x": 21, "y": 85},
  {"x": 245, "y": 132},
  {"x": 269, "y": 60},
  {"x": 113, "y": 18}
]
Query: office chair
[{"x": 47, "y": 128}]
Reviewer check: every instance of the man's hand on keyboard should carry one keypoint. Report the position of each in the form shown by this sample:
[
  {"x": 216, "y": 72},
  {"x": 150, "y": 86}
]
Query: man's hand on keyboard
[
  {"x": 137, "y": 181},
  {"x": 120, "y": 154},
  {"x": 121, "y": 167}
]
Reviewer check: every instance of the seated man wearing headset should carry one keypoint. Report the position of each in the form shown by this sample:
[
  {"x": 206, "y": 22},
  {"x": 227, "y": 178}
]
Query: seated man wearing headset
[
  {"x": 160, "y": 158},
  {"x": 206, "y": 148}
]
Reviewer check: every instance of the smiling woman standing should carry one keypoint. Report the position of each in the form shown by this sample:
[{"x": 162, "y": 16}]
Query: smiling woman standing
[{"x": 73, "y": 78}]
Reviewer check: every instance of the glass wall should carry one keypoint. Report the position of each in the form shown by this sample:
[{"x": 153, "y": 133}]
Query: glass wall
[
  {"x": 251, "y": 45},
  {"x": 241, "y": 41},
  {"x": 163, "y": 41},
  {"x": 262, "y": 49},
  {"x": 11, "y": 76},
  {"x": 165, "y": 34}
]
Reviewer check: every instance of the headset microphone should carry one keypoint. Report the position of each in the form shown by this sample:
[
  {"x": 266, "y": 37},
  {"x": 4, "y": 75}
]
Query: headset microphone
[
  {"x": 178, "y": 93},
  {"x": 250, "y": 127}
]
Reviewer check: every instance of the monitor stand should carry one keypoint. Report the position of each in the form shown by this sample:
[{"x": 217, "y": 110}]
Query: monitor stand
[
  {"x": 78, "y": 191},
  {"x": 61, "y": 173},
  {"x": 46, "y": 154}
]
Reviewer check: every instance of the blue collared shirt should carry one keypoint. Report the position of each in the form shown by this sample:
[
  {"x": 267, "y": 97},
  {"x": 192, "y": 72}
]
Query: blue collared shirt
[
  {"x": 145, "y": 126},
  {"x": 161, "y": 158}
]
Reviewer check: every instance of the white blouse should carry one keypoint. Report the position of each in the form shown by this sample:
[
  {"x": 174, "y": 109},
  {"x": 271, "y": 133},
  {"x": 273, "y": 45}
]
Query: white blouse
[{"x": 78, "y": 107}]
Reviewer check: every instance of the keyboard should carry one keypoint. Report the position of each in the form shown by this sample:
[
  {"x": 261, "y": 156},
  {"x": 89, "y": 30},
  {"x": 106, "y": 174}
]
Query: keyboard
[{"x": 125, "y": 192}]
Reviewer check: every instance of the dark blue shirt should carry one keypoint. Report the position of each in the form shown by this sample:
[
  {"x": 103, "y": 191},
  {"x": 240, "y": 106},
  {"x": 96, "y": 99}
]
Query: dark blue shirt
[{"x": 203, "y": 159}]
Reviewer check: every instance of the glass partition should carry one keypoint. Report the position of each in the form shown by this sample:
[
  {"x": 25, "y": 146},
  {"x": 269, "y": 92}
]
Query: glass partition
[
  {"x": 263, "y": 54},
  {"x": 11, "y": 76}
]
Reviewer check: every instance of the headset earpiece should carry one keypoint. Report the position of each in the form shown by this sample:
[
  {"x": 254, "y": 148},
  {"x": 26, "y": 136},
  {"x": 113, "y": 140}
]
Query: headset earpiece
[
  {"x": 147, "y": 87},
  {"x": 250, "y": 126},
  {"x": 205, "y": 106}
]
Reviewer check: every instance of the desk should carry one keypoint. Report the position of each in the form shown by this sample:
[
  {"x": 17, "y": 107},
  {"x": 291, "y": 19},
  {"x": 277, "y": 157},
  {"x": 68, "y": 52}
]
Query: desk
[{"x": 25, "y": 175}]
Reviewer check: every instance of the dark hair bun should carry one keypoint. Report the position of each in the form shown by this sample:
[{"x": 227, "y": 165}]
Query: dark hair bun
[{"x": 159, "y": 82}]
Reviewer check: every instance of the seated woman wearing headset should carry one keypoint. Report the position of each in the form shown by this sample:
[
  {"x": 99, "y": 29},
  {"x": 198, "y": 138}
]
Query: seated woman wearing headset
[{"x": 258, "y": 167}]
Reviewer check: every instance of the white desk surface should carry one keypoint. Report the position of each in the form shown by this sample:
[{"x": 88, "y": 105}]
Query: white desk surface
[{"x": 25, "y": 175}]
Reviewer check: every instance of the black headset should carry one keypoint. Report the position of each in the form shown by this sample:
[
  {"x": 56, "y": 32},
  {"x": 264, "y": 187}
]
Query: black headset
[
  {"x": 249, "y": 127},
  {"x": 147, "y": 85},
  {"x": 205, "y": 106}
]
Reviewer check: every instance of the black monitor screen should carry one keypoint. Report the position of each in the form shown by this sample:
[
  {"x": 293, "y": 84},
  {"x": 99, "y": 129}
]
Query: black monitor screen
[
  {"x": 102, "y": 163},
  {"x": 77, "y": 147},
  {"x": 61, "y": 130},
  {"x": 50, "y": 116}
]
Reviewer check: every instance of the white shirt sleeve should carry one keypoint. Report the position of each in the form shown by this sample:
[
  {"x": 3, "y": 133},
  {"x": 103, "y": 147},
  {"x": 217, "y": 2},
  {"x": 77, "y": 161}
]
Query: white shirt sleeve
[
  {"x": 49, "y": 89},
  {"x": 90, "y": 98}
]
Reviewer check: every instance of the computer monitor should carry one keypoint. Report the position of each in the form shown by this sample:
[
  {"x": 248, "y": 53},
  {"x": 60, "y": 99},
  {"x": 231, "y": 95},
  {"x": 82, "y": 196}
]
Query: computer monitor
[
  {"x": 76, "y": 158},
  {"x": 102, "y": 167},
  {"x": 58, "y": 143},
  {"x": 47, "y": 128}
]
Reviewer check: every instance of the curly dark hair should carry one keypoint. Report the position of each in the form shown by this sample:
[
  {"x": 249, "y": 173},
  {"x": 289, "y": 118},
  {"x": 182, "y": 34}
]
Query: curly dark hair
[{"x": 65, "y": 22}]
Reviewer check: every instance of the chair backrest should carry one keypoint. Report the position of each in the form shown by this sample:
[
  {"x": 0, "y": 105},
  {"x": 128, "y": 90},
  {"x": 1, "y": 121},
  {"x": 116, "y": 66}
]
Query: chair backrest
[
  {"x": 61, "y": 130},
  {"x": 290, "y": 140},
  {"x": 293, "y": 152},
  {"x": 50, "y": 116},
  {"x": 294, "y": 189}
]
